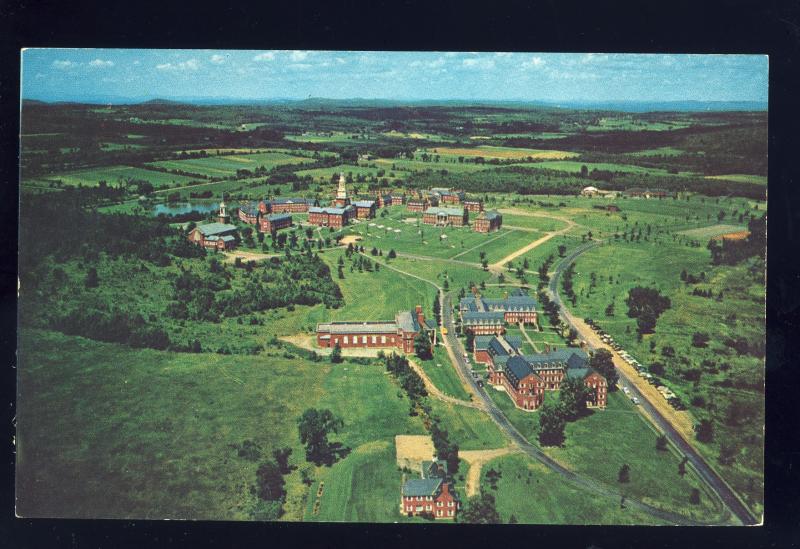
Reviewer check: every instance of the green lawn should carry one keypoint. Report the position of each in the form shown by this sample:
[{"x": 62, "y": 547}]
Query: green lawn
[
  {"x": 443, "y": 374},
  {"x": 544, "y": 224},
  {"x": 225, "y": 165},
  {"x": 741, "y": 178},
  {"x": 470, "y": 428},
  {"x": 499, "y": 244},
  {"x": 115, "y": 174},
  {"x": 574, "y": 166},
  {"x": 457, "y": 275},
  {"x": 503, "y": 153},
  {"x": 534, "y": 494}
]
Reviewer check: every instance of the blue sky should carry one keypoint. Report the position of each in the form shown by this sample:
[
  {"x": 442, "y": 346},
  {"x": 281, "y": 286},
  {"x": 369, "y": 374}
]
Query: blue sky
[{"x": 85, "y": 74}]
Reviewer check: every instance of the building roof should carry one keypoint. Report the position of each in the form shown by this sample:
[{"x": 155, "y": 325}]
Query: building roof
[
  {"x": 211, "y": 229},
  {"x": 434, "y": 469},
  {"x": 421, "y": 487},
  {"x": 500, "y": 345},
  {"x": 488, "y": 317},
  {"x": 517, "y": 368},
  {"x": 364, "y": 203},
  {"x": 381, "y": 326},
  {"x": 329, "y": 210},
  {"x": 491, "y": 215},
  {"x": 278, "y": 217},
  {"x": 407, "y": 321},
  {"x": 250, "y": 208},
  {"x": 434, "y": 210},
  {"x": 512, "y": 303},
  {"x": 292, "y": 200},
  {"x": 519, "y": 292}
]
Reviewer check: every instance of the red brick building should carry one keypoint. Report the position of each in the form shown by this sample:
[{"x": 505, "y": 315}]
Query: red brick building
[
  {"x": 249, "y": 212},
  {"x": 443, "y": 217},
  {"x": 473, "y": 205},
  {"x": 274, "y": 222},
  {"x": 398, "y": 333},
  {"x": 291, "y": 205},
  {"x": 398, "y": 199},
  {"x": 214, "y": 236},
  {"x": 365, "y": 209},
  {"x": 513, "y": 309},
  {"x": 487, "y": 222},
  {"x": 431, "y": 495},
  {"x": 417, "y": 205},
  {"x": 331, "y": 216}
]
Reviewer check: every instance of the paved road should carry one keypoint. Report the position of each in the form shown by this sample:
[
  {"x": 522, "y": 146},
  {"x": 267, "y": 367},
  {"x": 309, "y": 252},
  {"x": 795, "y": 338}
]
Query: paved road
[
  {"x": 505, "y": 425},
  {"x": 706, "y": 472}
]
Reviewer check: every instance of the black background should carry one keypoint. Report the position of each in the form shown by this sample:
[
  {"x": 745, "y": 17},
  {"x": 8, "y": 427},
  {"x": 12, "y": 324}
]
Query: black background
[{"x": 555, "y": 26}]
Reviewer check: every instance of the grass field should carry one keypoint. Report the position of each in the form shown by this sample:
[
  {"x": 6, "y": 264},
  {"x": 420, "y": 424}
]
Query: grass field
[
  {"x": 534, "y": 494},
  {"x": 741, "y": 178},
  {"x": 323, "y": 175},
  {"x": 544, "y": 224},
  {"x": 436, "y": 270},
  {"x": 704, "y": 233},
  {"x": 504, "y": 153},
  {"x": 573, "y": 166},
  {"x": 660, "y": 151},
  {"x": 116, "y": 174},
  {"x": 443, "y": 375},
  {"x": 225, "y": 165}
]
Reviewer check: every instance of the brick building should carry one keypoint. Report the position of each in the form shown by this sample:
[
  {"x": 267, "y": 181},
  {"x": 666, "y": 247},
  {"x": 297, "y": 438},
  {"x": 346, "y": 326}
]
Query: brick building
[
  {"x": 473, "y": 205},
  {"x": 442, "y": 217},
  {"x": 526, "y": 377},
  {"x": 214, "y": 236},
  {"x": 516, "y": 308},
  {"x": 291, "y": 205},
  {"x": 331, "y": 216},
  {"x": 365, "y": 209},
  {"x": 483, "y": 323},
  {"x": 398, "y": 333},
  {"x": 417, "y": 205},
  {"x": 487, "y": 222},
  {"x": 270, "y": 223},
  {"x": 398, "y": 198},
  {"x": 249, "y": 212},
  {"x": 430, "y": 495}
]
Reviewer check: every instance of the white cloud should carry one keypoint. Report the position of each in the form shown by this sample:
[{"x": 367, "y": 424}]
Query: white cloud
[
  {"x": 298, "y": 55},
  {"x": 137, "y": 62},
  {"x": 101, "y": 64},
  {"x": 593, "y": 58},
  {"x": 435, "y": 64},
  {"x": 39, "y": 75},
  {"x": 217, "y": 59},
  {"x": 188, "y": 65},
  {"x": 534, "y": 62},
  {"x": 503, "y": 54},
  {"x": 340, "y": 60},
  {"x": 266, "y": 56},
  {"x": 474, "y": 63},
  {"x": 451, "y": 54},
  {"x": 64, "y": 65}
]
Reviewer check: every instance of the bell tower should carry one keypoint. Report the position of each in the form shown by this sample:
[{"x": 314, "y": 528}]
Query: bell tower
[
  {"x": 223, "y": 215},
  {"x": 342, "y": 199}
]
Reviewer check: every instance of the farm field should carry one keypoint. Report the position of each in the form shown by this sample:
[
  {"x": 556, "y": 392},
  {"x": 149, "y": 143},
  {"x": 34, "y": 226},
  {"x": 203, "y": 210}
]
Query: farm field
[
  {"x": 573, "y": 166},
  {"x": 226, "y": 165},
  {"x": 743, "y": 178},
  {"x": 114, "y": 175},
  {"x": 488, "y": 151},
  {"x": 324, "y": 175}
]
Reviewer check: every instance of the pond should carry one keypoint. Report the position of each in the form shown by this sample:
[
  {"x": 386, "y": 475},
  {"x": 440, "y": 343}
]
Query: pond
[{"x": 177, "y": 208}]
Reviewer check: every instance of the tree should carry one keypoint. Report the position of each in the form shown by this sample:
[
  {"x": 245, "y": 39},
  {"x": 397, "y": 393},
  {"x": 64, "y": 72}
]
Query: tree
[
  {"x": 480, "y": 510},
  {"x": 603, "y": 363},
  {"x": 694, "y": 497},
  {"x": 700, "y": 339},
  {"x": 552, "y": 420},
  {"x": 422, "y": 346},
  {"x": 624, "y": 475},
  {"x": 445, "y": 448},
  {"x": 610, "y": 309},
  {"x": 682, "y": 466},
  {"x": 281, "y": 456},
  {"x": 492, "y": 477},
  {"x": 572, "y": 397},
  {"x": 392, "y": 254},
  {"x": 336, "y": 354},
  {"x": 470, "y": 341},
  {"x": 661, "y": 443},
  {"x": 704, "y": 431},
  {"x": 92, "y": 280},
  {"x": 562, "y": 250},
  {"x": 314, "y": 426},
  {"x": 270, "y": 482}
]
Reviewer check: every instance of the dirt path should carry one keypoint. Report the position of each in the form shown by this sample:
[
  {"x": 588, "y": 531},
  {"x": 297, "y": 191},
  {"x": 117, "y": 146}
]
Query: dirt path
[
  {"x": 309, "y": 343},
  {"x": 230, "y": 257},
  {"x": 436, "y": 393},
  {"x": 499, "y": 265},
  {"x": 476, "y": 460}
]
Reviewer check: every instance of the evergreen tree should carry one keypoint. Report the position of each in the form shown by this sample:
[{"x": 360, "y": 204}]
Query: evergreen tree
[{"x": 336, "y": 354}]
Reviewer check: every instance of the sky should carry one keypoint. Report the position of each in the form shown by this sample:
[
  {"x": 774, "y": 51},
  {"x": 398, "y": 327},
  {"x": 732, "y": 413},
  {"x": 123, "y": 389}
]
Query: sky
[{"x": 136, "y": 75}]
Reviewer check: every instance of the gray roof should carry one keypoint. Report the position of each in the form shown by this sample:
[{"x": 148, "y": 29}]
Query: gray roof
[
  {"x": 500, "y": 345},
  {"x": 471, "y": 317},
  {"x": 250, "y": 208},
  {"x": 491, "y": 215},
  {"x": 421, "y": 487},
  {"x": 329, "y": 210},
  {"x": 358, "y": 327},
  {"x": 364, "y": 203},
  {"x": 517, "y": 368},
  {"x": 512, "y": 303},
  {"x": 434, "y": 469},
  {"x": 407, "y": 321},
  {"x": 291, "y": 200},
  {"x": 210, "y": 229},
  {"x": 433, "y": 210},
  {"x": 278, "y": 217}
]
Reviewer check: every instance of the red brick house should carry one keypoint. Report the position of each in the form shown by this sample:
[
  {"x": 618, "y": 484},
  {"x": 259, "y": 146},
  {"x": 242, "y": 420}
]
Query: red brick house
[
  {"x": 442, "y": 217},
  {"x": 485, "y": 348},
  {"x": 365, "y": 209},
  {"x": 487, "y": 222},
  {"x": 274, "y": 222},
  {"x": 519, "y": 307},
  {"x": 430, "y": 495},
  {"x": 249, "y": 212},
  {"x": 398, "y": 333},
  {"x": 214, "y": 236},
  {"x": 331, "y": 216},
  {"x": 398, "y": 199}
]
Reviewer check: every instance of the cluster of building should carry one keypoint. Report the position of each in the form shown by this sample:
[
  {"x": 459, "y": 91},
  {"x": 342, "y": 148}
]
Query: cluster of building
[
  {"x": 398, "y": 333},
  {"x": 443, "y": 207},
  {"x": 219, "y": 236},
  {"x": 484, "y": 316},
  {"x": 273, "y": 215},
  {"x": 526, "y": 377},
  {"x": 633, "y": 192},
  {"x": 430, "y": 495}
]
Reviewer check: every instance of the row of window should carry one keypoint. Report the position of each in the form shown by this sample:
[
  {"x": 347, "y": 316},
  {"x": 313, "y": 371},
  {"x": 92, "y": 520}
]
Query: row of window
[
  {"x": 364, "y": 339},
  {"x": 439, "y": 512}
]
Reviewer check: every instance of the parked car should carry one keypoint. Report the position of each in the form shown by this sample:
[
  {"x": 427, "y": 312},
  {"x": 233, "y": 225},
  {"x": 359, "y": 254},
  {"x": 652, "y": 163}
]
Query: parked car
[
  {"x": 635, "y": 400},
  {"x": 626, "y": 390}
]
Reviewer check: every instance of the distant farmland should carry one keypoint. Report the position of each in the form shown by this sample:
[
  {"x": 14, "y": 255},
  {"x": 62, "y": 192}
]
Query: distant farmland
[{"x": 503, "y": 153}]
